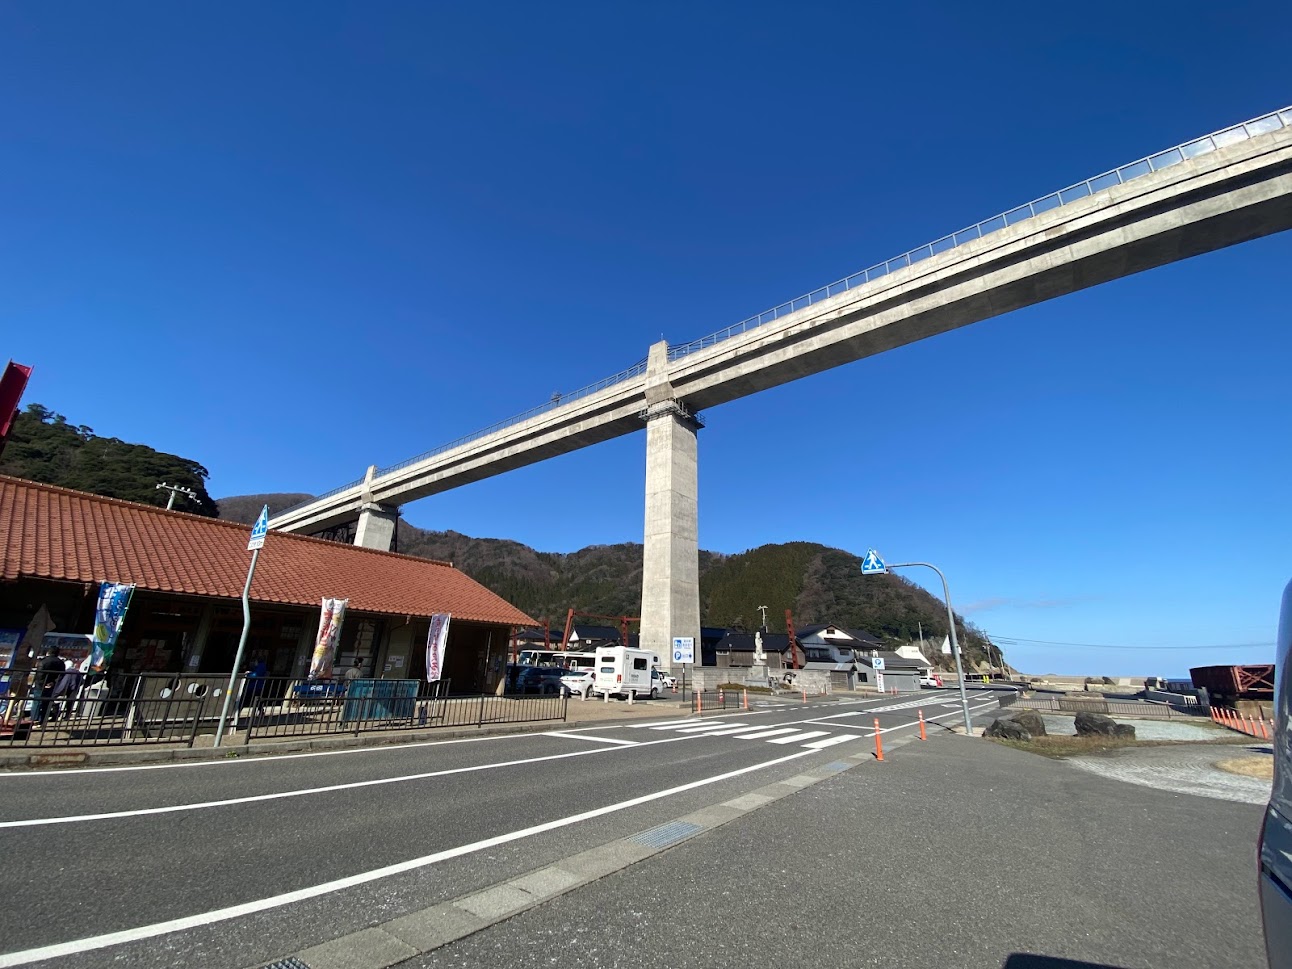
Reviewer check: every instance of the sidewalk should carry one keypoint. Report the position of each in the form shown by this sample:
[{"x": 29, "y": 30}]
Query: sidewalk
[{"x": 577, "y": 712}]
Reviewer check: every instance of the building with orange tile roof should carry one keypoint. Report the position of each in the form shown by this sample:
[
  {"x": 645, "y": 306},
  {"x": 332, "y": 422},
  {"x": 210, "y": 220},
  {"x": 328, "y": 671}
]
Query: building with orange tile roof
[{"x": 189, "y": 571}]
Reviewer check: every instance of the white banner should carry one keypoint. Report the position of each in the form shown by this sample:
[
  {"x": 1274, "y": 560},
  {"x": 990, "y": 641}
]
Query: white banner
[
  {"x": 329, "y": 636},
  {"x": 437, "y": 637}
]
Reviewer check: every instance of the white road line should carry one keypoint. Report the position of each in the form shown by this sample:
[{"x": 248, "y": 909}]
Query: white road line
[
  {"x": 720, "y": 731},
  {"x": 839, "y": 738},
  {"x": 600, "y": 740},
  {"x": 654, "y": 725},
  {"x": 796, "y": 737},
  {"x": 255, "y": 759},
  {"x": 91, "y": 943},
  {"x": 255, "y": 798},
  {"x": 714, "y": 725},
  {"x": 764, "y": 733}
]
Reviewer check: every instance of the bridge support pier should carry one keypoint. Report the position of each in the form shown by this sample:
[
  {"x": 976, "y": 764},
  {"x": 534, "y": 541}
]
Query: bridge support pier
[
  {"x": 671, "y": 566},
  {"x": 376, "y": 526}
]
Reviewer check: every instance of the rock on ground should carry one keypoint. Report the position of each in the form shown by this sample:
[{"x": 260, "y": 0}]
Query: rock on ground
[
  {"x": 1031, "y": 722},
  {"x": 1007, "y": 730},
  {"x": 1098, "y": 725}
]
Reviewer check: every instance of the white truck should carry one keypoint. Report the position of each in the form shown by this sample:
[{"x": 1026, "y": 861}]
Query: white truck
[{"x": 621, "y": 671}]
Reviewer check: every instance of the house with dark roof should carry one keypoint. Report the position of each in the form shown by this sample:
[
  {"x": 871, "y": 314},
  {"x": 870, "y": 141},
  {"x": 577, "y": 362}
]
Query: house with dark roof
[
  {"x": 188, "y": 571},
  {"x": 737, "y": 649},
  {"x": 831, "y": 647},
  {"x": 886, "y": 670}
]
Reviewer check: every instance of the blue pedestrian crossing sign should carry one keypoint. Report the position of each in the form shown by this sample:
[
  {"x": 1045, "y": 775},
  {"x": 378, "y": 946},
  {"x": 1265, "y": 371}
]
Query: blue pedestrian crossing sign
[
  {"x": 872, "y": 564},
  {"x": 259, "y": 530}
]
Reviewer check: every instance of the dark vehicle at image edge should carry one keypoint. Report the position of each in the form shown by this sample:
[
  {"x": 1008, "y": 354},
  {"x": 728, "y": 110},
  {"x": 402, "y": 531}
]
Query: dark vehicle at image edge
[{"x": 1276, "y": 832}]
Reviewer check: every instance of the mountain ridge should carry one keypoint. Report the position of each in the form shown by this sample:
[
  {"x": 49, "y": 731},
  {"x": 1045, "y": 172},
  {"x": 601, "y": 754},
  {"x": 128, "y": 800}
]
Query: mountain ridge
[{"x": 818, "y": 583}]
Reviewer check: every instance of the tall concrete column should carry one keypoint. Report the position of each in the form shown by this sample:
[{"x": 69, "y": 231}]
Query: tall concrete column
[
  {"x": 376, "y": 522},
  {"x": 671, "y": 567}
]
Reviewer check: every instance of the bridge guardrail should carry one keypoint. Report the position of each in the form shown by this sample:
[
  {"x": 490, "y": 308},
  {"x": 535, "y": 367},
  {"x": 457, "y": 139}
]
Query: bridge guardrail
[{"x": 1117, "y": 176}]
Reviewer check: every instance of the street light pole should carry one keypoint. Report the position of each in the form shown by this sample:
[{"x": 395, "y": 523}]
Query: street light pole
[{"x": 955, "y": 644}]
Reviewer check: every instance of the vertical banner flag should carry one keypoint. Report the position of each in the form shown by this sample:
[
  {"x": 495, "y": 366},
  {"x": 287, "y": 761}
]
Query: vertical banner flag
[
  {"x": 109, "y": 615},
  {"x": 436, "y": 639},
  {"x": 946, "y": 645},
  {"x": 330, "y": 620}
]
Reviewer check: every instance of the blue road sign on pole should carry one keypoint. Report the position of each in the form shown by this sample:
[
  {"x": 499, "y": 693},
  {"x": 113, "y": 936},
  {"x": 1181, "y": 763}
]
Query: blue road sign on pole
[
  {"x": 872, "y": 564},
  {"x": 259, "y": 530}
]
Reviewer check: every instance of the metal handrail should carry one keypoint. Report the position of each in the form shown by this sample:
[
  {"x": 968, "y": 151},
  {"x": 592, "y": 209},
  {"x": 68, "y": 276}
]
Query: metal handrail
[{"x": 1118, "y": 176}]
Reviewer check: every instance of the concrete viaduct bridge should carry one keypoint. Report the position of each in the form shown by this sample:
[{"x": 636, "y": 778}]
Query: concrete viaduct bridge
[{"x": 1215, "y": 191}]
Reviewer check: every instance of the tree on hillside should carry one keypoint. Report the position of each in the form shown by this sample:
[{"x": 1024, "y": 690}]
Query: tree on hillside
[{"x": 44, "y": 447}]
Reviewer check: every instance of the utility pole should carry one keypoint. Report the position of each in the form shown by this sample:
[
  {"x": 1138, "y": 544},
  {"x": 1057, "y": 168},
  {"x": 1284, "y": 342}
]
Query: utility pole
[
  {"x": 176, "y": 490},
  {"x": 789, "y": 628},
  {"x": 763, "y": 610}
]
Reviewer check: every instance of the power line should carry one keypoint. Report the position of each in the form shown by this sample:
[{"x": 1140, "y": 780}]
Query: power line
[{"x": 1020, "y": 641}]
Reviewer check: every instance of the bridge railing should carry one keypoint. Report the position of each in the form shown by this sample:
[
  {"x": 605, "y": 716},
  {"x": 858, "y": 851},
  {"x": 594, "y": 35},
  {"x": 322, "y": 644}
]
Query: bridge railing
[
  {"x": 1117, "y": 176},
  {"x": 556, "y": 400}
]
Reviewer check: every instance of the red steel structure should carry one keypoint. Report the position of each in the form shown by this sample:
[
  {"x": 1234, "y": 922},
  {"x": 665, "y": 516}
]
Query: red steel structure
[{"x": 1252, "y": 682}]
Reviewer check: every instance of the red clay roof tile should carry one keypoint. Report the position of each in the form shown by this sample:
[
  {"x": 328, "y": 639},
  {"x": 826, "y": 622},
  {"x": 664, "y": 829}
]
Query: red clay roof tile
[{"x": 56, "y": 533}]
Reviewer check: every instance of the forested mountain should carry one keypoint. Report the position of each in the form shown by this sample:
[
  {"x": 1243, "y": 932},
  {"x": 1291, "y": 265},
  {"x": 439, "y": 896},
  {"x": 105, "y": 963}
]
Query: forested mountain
[
  {"x": 43, "y": 446},
  {"x": 818, "y": 583}
]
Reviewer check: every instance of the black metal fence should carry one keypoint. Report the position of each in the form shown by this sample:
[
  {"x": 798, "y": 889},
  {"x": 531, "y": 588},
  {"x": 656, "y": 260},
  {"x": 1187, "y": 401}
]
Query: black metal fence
[
  {"x": 1118, "y": 708},
  {"x": 715, "y": 701},
  {"x": 293, "y": 708},
  {"x": 154, "y": 708},
  {"x": 58, "y": 711}
]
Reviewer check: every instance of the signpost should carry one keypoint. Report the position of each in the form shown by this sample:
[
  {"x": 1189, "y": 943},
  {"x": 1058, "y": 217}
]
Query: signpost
[
  {"x": 684, "y": 649},
  {"x": 872, "y": 564},
  {"x": 257, "y": 542}
]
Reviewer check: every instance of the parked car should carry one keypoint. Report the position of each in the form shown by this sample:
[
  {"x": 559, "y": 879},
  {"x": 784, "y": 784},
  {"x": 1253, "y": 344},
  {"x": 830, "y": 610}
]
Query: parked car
[
  {"x": 1275, "y": 854},
  {"x": 667, "y": 681},
  {"x": 540, "y": 679},
  {"x": 933, "y": 682},
  {"x": 578, "y": 681}
]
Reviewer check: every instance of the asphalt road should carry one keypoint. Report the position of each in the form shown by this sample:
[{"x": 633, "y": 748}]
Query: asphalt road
[
  {"x": 956, "y": 853},
  {"x": 140, "y": 867}
]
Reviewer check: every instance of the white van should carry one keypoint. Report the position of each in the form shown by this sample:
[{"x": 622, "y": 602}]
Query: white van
[{"x": 621, "y": 671}]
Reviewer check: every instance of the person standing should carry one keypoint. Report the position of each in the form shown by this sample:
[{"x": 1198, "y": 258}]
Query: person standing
[
  {"x": 45, "y": 678},
  {"x": 356, "y": 669}
]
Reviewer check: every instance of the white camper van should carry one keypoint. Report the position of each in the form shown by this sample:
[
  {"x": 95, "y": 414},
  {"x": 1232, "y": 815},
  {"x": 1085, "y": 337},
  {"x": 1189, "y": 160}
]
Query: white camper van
[{"x": 621, "y": 671}]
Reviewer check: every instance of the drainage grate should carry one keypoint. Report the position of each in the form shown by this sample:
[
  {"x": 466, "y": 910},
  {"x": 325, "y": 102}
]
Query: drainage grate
[
  {"x": 666, "y": 834},
  {"x": 291, "y": 962}
]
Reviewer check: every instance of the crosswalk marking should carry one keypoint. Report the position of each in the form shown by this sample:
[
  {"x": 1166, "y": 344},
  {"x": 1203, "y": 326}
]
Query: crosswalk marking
[
  {"x": 774, "y": 734},
  {"x": 838, "y": 738},
  {"x": 758, "y": 734},
  {"x": 795, "y": 738}
]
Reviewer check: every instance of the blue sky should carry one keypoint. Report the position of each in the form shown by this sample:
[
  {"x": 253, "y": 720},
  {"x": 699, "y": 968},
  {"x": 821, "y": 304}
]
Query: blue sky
[{"x": 291, "y": 240}]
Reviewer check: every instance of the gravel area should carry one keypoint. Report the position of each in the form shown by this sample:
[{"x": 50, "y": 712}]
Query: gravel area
[
  {"x": 1144, "y": 729},
  {"x": 1184, "y": 770}
]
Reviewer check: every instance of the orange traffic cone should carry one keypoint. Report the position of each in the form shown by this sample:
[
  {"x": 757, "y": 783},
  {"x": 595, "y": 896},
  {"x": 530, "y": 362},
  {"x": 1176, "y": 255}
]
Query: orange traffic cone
[{"x": 879, "y": 744}]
